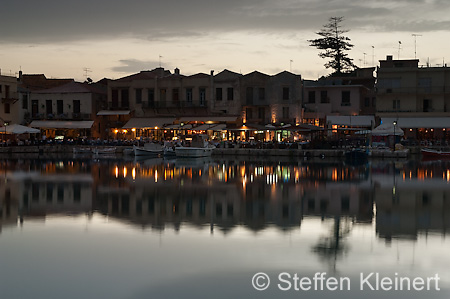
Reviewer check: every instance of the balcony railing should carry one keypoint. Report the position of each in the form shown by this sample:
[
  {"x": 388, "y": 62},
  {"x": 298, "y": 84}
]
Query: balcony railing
[{"x": 176, "y": 104}]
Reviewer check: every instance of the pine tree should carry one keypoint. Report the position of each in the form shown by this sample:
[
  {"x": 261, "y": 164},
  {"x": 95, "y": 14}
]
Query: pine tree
[{"x": 335, "y": 45}]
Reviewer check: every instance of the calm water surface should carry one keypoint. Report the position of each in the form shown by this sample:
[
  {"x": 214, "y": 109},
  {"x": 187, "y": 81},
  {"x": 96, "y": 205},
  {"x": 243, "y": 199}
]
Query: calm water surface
[{"x": 79, "y": 227}]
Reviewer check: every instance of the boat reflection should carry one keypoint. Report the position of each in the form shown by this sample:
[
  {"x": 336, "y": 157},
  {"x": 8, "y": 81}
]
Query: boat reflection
[{"x": 403, "y": 199}]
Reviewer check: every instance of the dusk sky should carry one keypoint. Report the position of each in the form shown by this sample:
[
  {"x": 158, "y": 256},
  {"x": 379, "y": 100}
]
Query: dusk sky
[{"x": 116, "y": 38}]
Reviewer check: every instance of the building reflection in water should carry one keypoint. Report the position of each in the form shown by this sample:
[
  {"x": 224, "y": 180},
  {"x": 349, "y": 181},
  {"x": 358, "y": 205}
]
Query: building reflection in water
[{"x": 409, "y": 198}]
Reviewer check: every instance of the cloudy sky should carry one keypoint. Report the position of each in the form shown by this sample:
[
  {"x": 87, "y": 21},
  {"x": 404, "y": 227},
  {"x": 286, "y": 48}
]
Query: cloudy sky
[{"x": 115, "y": 38}]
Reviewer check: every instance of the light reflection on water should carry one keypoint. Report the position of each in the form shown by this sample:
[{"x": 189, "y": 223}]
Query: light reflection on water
[{"x": 156, "y": 228}]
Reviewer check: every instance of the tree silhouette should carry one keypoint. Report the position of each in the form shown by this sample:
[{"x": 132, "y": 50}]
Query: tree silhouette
[{"x": 334, "y": 44}]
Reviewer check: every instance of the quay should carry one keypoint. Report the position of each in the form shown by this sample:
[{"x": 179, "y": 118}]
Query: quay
[{"x": 294, "y": 153}]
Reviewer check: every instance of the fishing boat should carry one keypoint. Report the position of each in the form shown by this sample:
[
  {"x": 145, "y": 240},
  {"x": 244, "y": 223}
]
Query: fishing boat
[
  {"x": 200, "y": 147},
  {"x": 149, "y": 149},
  {"x": 82, "y": 150},
  {"x": 356, "y": 155},
  {"x": 428, "y": 153},
  {"x": 109, "y": 150}
]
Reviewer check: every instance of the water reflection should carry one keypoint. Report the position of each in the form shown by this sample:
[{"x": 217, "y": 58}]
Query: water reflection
[{"x": 408, "y": 197}]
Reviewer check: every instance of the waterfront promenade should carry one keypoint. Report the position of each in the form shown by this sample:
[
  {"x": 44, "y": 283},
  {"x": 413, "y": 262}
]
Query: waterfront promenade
[{"x": 299, "y": 153}]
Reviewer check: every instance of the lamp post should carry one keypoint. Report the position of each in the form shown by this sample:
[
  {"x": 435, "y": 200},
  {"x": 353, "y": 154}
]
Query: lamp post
[{"x": 395, "y": 124}]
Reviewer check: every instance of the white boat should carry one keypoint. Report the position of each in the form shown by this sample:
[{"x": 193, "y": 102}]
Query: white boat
[
  {"x": 82, "y": 150},
  {"x": 104, "y": 150},
  {"x": 200, "y": 147},
  {"x": 149, "y": 149}
]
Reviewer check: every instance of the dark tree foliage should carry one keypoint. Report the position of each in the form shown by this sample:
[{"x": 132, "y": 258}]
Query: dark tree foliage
[{"x": 335, "y": 45}]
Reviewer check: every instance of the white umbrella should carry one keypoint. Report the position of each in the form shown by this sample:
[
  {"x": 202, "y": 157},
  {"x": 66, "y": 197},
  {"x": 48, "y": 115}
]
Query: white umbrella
[
  {"x": 386, "y": 129},
  {"x": 18, "y": 129}
]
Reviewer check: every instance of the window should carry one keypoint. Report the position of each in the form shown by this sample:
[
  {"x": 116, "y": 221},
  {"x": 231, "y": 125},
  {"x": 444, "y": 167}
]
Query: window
[
  {"x": 374, "y": 102},
  {"x": 76, "y": 106},
  {"x": 25, "y": 101},
  {"x": 59, "y": 107},
  {"x": 175, "y": 95},
  {"x": 286, "y": 93},
  {"x": 366, "y": 101},
  {"x": 230, "y": 93},
  {"x": 48, "y": 107},
  {"x": 34, "y": 108},
  {"x": 189, "y": 95},
  {"x": 125, "y": 98},
  {"x": 115, "y": 98},
  {"x": 162, "y": 95},
  {"x": 345, "y": 98},
  {"x": 249, "y": 95},
  {"x": 262, "y": 113},
  {"x": 7, "y": 91},
  {"x": 202, "y": 96},
  {"x": 324, "y": 96},
  {"x": 77, "y": 192},
  {"x": 248, "y": 113},
  {"x": 285, "y": 112},
  {"x": 138, "y": 95},
  {"x": 7, "y": 108},
  {"x": 1, "y": 90},
  {"x": 427, "y": 107},
  {"x": 262, "y": 94},
  {"x": 218, "y": 94},
  {"x": 396, "y": 104},
  {"x": 311, "y": 96},
  {"x": 151, "y": 97}
]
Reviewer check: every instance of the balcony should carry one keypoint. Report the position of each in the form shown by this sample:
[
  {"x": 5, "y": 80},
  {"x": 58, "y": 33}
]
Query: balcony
[{"x": 176, "y": 104}]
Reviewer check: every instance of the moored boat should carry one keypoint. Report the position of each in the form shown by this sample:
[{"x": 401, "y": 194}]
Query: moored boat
[
  {"x": 200, "y": 147},
  {"x": 428, "y": 153},
  {"x": 149, "y": 149},
  {"x": 104, "y": 150}
]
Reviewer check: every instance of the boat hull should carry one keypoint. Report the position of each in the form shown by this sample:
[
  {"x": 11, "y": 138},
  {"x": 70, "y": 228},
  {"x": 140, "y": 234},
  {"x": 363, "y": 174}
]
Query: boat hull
[
  {"x": 140, "y": 151},
  {"x": 434, "y": 154},
  {"x": 193, "y": 152}
]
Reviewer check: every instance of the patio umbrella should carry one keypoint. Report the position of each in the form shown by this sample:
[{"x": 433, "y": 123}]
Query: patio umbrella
[{"x": 18, "y": 129}]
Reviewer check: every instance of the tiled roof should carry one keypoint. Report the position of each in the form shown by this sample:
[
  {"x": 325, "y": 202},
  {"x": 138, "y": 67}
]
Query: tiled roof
[
  {"x": 39, "y": 81},
  {"x": 145, "y": 75},
  {"x": 72, "y": 87}
]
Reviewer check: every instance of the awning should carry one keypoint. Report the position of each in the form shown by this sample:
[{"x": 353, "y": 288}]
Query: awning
[
  {"x": 150, "y": 123},
  {"x": 178, "y": 127},
  {"x": 419, "y": 122},
  {"x": 18, "y": 129},
  {"x": 351, "y": 120},
  {"x": 209, "y": 119},
  {"x": 387, "y": 129},
  {"x": 219, "y": 127},
  {"x": 203, "y": 127},
  {"x": 112, "y": 112},
  {"x": 55, "y": 124}
]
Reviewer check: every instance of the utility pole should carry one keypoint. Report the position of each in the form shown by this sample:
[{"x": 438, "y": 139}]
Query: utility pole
[
  {"x": 365, "y": 59},
  {"x": 415, "y": 44},
  {"x": 373, "y": 55}
]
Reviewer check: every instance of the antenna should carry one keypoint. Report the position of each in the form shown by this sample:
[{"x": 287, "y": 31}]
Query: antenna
[
  {"x": 86, "y": 70},
  {"x": 415, "y": 44},
  {"x": 399, "y": 48},
  {"x": 160, "y": 60},
  {"x": 373, "y": 55},
  {"x": 365, "y": 58}
]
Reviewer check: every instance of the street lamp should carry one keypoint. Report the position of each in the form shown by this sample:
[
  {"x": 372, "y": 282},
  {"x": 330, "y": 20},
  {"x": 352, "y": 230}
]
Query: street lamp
[{"x": 395, "y": 124}]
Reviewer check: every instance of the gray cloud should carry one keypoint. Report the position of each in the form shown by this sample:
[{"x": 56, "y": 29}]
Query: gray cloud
[
  {"x": 31, "y": 21},
  {"x": 135, "y": 65}
]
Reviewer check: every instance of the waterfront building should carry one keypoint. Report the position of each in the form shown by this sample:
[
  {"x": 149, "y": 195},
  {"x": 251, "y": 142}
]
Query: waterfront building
[
  {"x": 416, "y": 97},
  {"x": 328, "y": 98},
  {"x": 68, "y": 110},
  {"x": 10, "y": 109}
]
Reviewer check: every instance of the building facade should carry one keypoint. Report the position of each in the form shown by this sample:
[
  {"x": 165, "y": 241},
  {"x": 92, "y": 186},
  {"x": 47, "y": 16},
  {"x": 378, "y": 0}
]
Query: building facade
[{"x": 416, "y": 97}]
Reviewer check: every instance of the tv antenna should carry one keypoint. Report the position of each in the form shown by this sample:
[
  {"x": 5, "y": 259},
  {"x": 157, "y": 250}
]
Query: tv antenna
[
  {"x": 86, "y": 70},
  {"x": 399, "y": 48},
  {"x": 365, "y": 58},
  {"x": 415, "y": 44}
]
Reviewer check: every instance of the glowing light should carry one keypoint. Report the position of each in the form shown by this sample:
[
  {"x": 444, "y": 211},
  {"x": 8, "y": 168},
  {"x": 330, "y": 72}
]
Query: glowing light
[
  {"x": 156, "y": 176},
  {"x": 156, "y": 128},
  {"x": 117, "y": 172},
  {"x": 124, "y": 131},
  {"x": 133, "y": 130},
  {"x": 133, "y": 173},
  {"x": 125, "y": 172},
  {"x": 116, "y": 131}
]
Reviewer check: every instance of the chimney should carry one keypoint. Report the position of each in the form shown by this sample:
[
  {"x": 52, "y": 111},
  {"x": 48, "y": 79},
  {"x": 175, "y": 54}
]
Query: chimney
[
  {"x": 389, "y": 57},
  {"x": 176, "y": 71},
  {"x": 20, "y": 75},
  {"x": 212, "y": 72}
]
